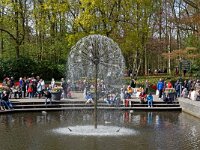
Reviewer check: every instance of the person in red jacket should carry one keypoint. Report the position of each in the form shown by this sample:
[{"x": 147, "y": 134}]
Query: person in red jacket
[
  {"x": 143, "y": 97},
  {"x": 169, "y": 85}
]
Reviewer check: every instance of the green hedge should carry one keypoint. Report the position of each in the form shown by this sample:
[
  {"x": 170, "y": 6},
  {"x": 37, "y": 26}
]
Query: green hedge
[{"x": 26, "y": 66}]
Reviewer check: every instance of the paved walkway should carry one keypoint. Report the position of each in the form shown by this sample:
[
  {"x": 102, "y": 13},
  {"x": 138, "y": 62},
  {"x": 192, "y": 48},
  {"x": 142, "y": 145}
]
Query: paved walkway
[
  {"x": 76, "y": 96},
  {"x": 190, "y": 106}
]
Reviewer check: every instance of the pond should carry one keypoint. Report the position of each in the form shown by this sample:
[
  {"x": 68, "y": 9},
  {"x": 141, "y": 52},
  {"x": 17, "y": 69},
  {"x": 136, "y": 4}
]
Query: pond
[{"x": 148, "y": 130}]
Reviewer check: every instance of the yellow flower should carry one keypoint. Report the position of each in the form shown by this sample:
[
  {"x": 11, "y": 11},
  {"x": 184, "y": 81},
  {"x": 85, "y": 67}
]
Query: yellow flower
[{"x": 56, "y": 89}]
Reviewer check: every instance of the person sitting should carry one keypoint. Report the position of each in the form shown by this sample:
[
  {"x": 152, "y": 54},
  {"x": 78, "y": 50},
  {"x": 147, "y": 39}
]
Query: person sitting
[
  {"x": 150, "y": 100},
  {"x": 142, "y": 97},
  {"x": 129, "y": 90},
  {"x": 198, "y": 96},
  {"x": 117, "y": 99},
  {"x": 89, "y": 98},
  {"x": 2, "y": 107},
  {"x": 17, "y": 92},
  {"x": 122, "y": 93},
  {"x": 126, "y": 99},
  {"x": 197, "y": 85},
  {"x": 47, "y": 94},
  {"x": 184, "y": 93},
  {"x": 5, "y": 100},
  {"x": 193, "y": 95},
  {"x": 111, "y": 99}
]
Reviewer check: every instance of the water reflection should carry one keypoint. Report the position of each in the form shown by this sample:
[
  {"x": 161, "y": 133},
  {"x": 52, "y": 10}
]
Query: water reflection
[{"x": 157, "y": 130}]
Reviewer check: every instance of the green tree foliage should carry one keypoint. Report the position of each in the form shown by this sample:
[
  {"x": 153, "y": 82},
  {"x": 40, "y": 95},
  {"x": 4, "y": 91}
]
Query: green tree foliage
[{"x": 43, "y": 31}]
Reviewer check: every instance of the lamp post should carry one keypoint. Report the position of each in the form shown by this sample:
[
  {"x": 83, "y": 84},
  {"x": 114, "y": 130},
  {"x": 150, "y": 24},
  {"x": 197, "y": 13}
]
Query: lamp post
[
  {"x": 96, "y": 62},
  {"x": 94, "y": 58}
]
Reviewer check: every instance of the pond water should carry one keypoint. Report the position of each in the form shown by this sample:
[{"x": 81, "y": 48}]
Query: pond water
[{"x": 147, "y": 130}]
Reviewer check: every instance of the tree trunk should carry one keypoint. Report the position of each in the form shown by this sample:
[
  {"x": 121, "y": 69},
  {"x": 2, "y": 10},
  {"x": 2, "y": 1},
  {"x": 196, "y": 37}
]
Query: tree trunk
[
  {"x": 1, "y": 44},
  {"x": 17, "y": 29}
]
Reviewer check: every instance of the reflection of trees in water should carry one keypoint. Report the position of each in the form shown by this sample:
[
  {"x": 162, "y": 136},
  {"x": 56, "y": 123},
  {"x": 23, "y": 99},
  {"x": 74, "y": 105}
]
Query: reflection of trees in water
[
  {"x": 7, "y": 121},
  {"x": 86, "y": 117}
]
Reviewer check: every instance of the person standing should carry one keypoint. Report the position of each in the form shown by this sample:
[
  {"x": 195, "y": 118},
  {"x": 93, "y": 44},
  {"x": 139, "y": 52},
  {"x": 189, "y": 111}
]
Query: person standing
[
  {"x": 169, "y": 85},
  {"x": 184, "y": 72},
  {"x": 43, "y": 86},
  {"x": 39, "y": 89},
  {"x": 160, "y": 86},
  {"x": 133, "y": 83},
  {"x": 12, "y": 82},
  {"x": 177, "y": 87},
  {"x": 30, "y": 90},
  {"x": 24, "y": 87},
  {"x": 65, "y": 87},
  {"x": 146, "y": 86},
  {"x": 53, "y": 83}
]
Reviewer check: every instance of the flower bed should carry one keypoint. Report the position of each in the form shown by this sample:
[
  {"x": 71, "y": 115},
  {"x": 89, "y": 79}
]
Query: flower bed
[{"x": 56, "y": 89}]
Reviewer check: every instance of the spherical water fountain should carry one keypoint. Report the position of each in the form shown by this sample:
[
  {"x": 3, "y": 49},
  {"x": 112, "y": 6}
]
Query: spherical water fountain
[
  {"x": 96, "y": 57},
  {"x": 93, "y": 57}
]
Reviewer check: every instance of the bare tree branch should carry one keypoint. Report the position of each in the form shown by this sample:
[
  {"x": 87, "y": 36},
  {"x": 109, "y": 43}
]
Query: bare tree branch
[
  {"x": 192, "y": 4},
  {"x": 10, "y": 34}
]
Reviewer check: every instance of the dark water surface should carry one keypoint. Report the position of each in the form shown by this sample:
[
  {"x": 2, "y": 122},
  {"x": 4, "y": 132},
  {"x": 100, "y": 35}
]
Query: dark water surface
[{"x": 155, "y": 131}]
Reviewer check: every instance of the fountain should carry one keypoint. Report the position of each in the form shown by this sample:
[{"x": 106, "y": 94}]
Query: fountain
[
  {"x": 143, "y": 130},
  {"x": 96, "y": 56},
  {"x": 89, "y": 130},
  {"x": 93, "y": 57}
]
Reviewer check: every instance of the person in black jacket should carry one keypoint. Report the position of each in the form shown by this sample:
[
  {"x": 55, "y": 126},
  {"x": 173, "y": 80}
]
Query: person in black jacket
[
  {"x": 5, "y": 100},
  {"x": 48, "y": 96}
]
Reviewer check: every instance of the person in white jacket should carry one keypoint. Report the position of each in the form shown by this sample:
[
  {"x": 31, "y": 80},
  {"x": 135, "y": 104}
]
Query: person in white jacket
[{"x": 193, "y": 95}]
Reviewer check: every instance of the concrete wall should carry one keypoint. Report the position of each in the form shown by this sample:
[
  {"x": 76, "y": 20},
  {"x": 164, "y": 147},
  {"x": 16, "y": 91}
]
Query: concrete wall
[{"x": 190, "y": 106}]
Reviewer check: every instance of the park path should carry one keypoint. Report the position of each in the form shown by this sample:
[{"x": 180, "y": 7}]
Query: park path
[{"x": 76, "y": 96}]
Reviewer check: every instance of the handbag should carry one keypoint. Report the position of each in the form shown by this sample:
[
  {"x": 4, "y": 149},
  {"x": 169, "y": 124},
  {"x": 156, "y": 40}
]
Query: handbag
[{"x": 157, "y": 92}]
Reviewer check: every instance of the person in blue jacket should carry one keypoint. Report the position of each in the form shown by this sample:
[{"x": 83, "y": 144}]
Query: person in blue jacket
[
  {"x": 150, "y": 100},
  {"x": 160, "y": 87}
]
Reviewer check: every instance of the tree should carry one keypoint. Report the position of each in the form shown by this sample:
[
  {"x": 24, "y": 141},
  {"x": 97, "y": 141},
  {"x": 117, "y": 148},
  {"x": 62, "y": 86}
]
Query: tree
[{"x": 13, "y": 19}]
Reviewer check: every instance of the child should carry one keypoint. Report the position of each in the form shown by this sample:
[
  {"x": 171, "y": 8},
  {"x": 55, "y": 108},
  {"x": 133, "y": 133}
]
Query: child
[
  {"x": 129, "y": 90},
  {"x": 150, "y": 100},
  {"x": 48, "y": 96},
  {"x": 89, "y": 98},
  {"x": 30, "y": 90}
]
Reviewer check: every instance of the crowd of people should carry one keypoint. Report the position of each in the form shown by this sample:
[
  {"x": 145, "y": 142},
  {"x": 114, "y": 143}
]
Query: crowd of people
[
  {"x": 35, "y": 87},
  {"x": 130, "y": 91},
  {"x": 30, "y": 87},
  {"x": 166, "y": 91},
  {"x": 187, "y": 89}
]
